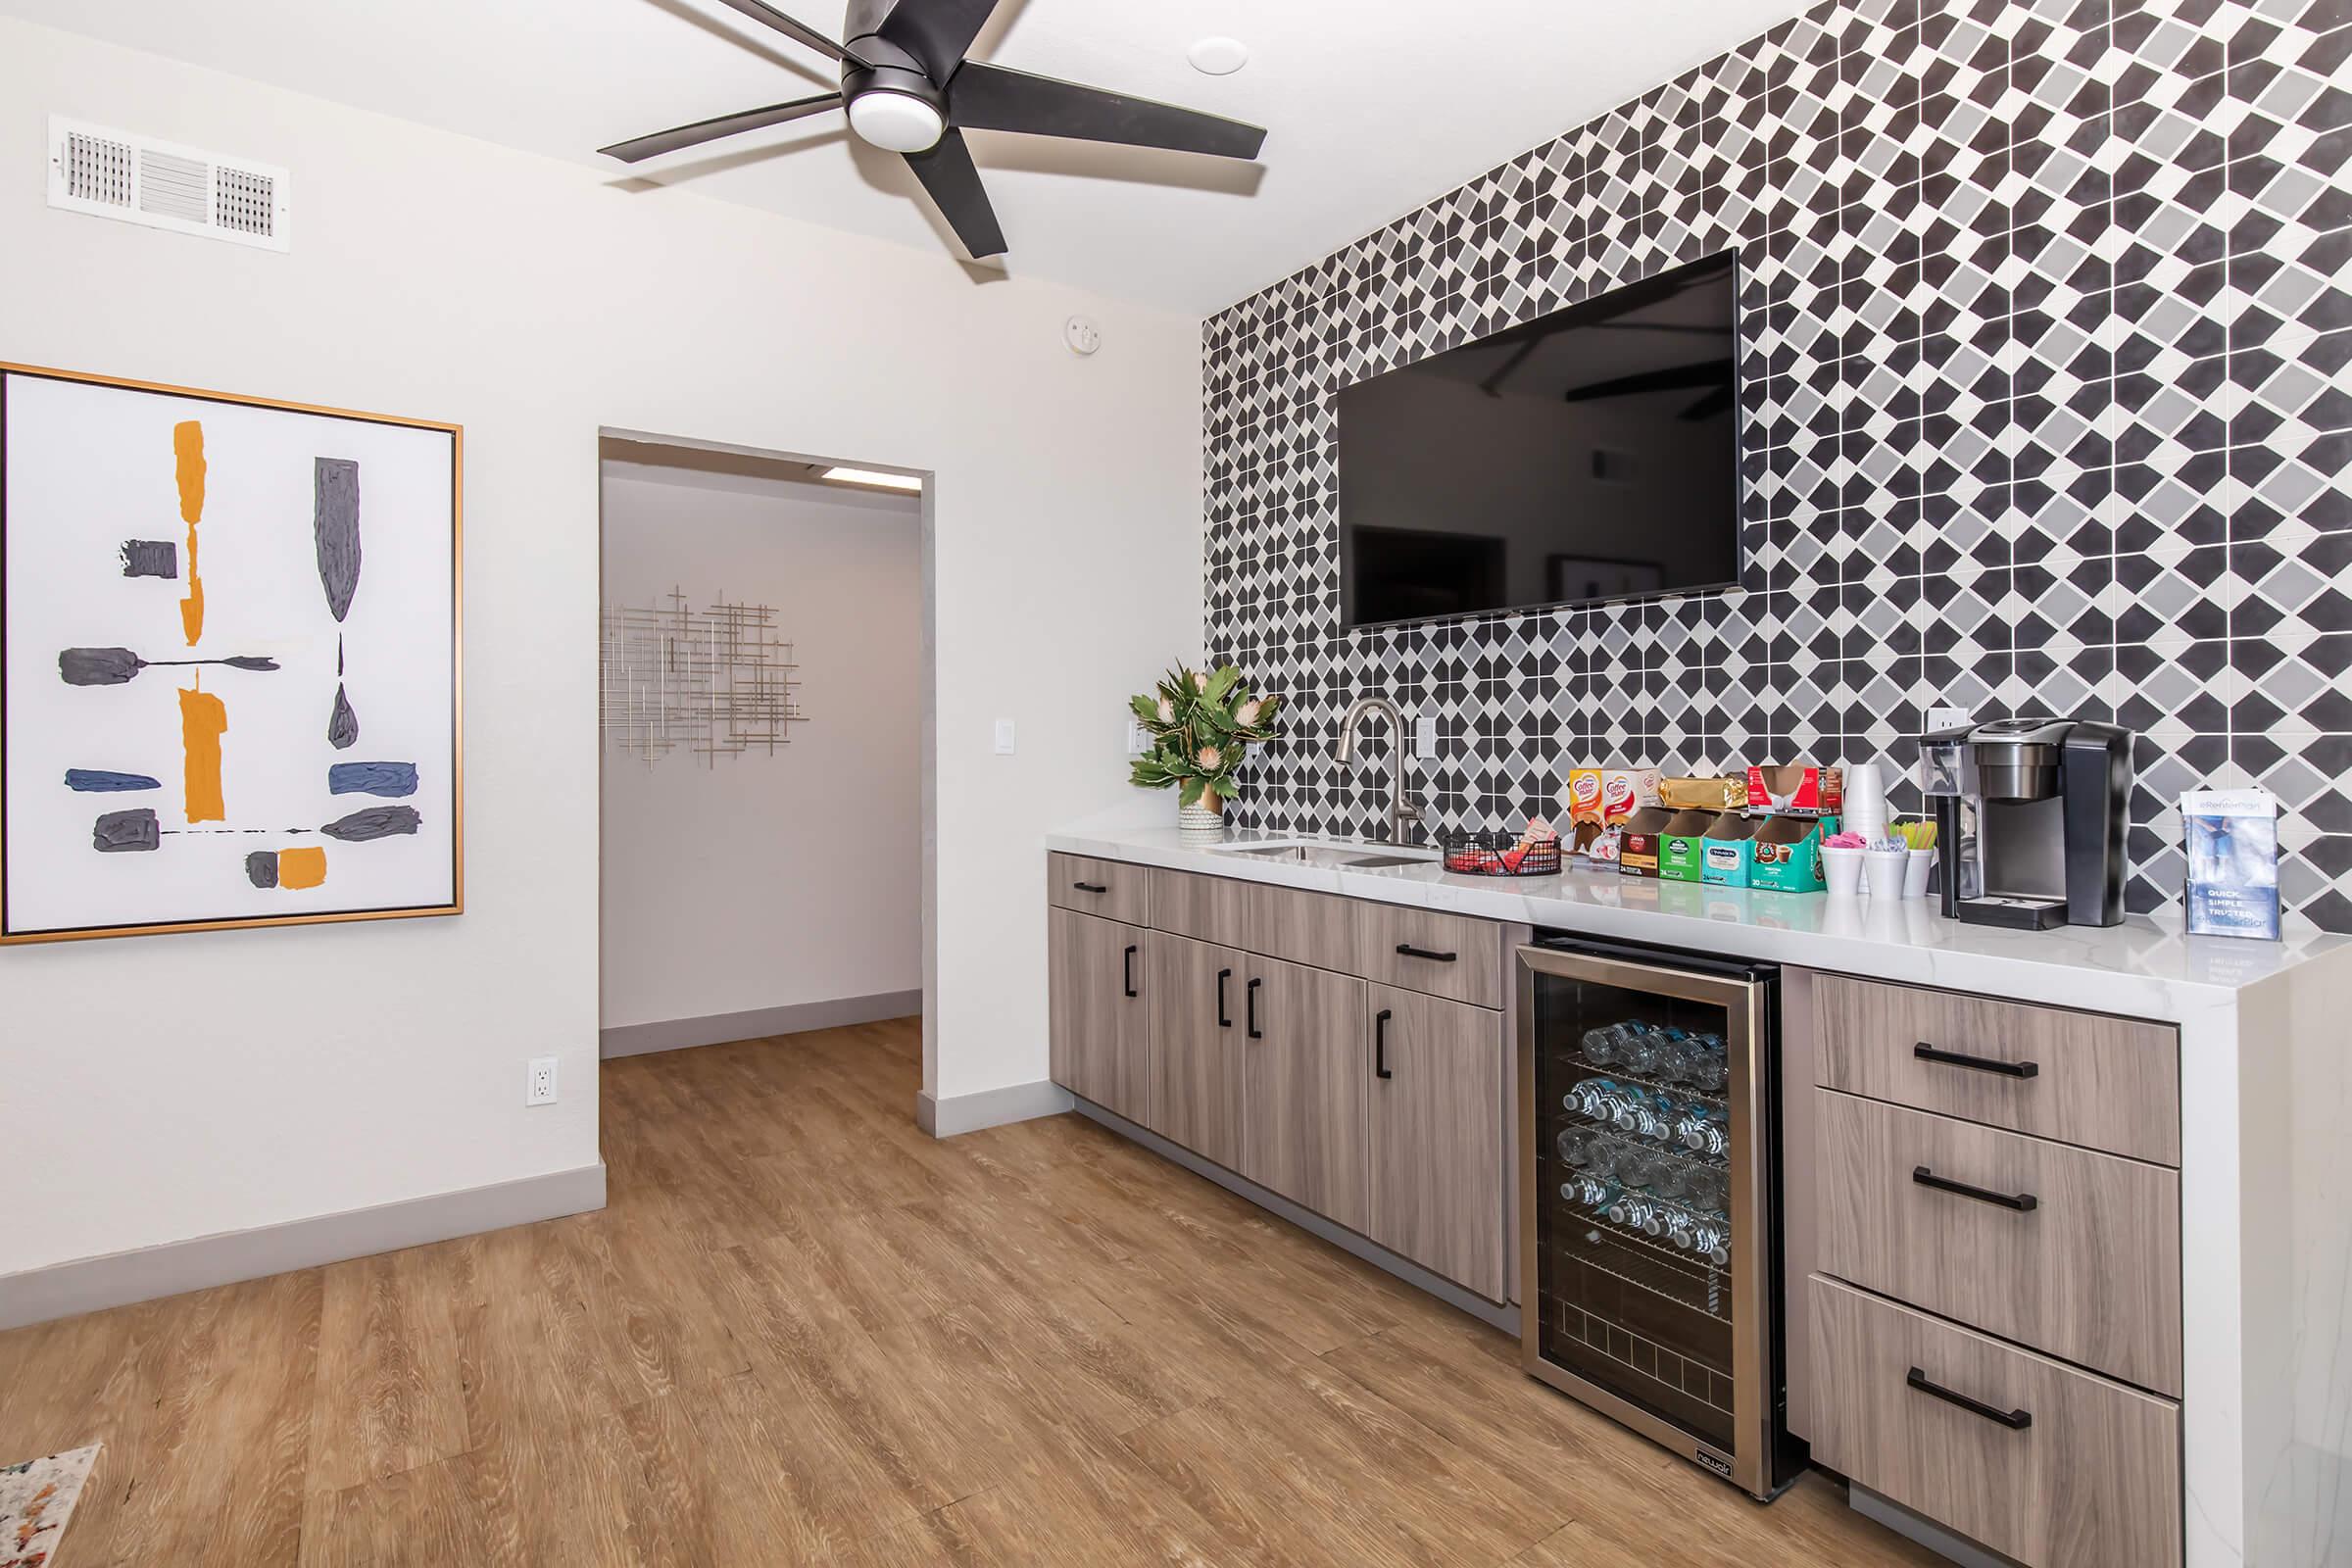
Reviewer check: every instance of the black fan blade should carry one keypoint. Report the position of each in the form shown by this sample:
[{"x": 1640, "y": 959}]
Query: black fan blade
[
  {"x": 1715, "y": 403},
  {"x": 936, "y": 32},
  {"x": 1674, "y": 378},
  {"x": 987, "y": 97},
  {"x": 798, "y": 32},
  {"x": 947, "y": 173},
  {"x": 702, "y": 131}
]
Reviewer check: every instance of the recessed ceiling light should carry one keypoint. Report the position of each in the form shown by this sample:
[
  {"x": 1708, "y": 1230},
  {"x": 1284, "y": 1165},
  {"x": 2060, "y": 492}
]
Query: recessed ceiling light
[
  {"x": 1218, "y": 57},
  {"x": 873, "y": 478}
]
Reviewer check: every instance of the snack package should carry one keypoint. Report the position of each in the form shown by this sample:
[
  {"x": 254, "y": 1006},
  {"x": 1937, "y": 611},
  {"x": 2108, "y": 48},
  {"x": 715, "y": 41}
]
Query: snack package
[{"x": 1704, "y": 793}]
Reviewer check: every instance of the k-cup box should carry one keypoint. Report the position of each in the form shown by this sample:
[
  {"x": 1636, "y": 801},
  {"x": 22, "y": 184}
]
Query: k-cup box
[
  {"x": 1727, "y": 851},
  {"x": 1640, "y": 839},
  {"x": 1627, "y": 790},
  {"x": 2232, "y": 844},
  {"x": 1787, "y": 854},
  {"x": 1716, "y": 795},
  {"x": 1798, "y": 787},
  {"x": 1681, "y": 849},
  {"x": 1584, "y": 795}
]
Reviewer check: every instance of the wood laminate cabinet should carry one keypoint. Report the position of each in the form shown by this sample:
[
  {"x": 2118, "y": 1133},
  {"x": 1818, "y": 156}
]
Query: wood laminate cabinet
[
  {"x": 1437, "y": 1141},
  {"x": 1306, "y": 1077},
  {"x": 1193, "y": 1097},
  {"x": 1099, "y": 1031}
]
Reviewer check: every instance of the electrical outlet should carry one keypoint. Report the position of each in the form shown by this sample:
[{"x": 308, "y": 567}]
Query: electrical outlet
[
  {"x": 1425, "y": 736},
  {"x": 539, "y": 1084},
  {"x": 1944, "y": 719},
  {"x": 1139, "y": 739}
]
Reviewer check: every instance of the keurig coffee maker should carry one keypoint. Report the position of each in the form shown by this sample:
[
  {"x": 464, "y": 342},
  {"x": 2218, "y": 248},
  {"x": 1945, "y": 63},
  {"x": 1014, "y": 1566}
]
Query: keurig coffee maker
[{"x": 2029, "y": 817}]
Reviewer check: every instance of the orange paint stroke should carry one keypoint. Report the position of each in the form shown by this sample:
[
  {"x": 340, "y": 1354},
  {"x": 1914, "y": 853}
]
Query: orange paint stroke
[
  {"x": 187, "y": 446},
  {"x": 301, "y": 868},
  {"x": 202, "y": 721}
]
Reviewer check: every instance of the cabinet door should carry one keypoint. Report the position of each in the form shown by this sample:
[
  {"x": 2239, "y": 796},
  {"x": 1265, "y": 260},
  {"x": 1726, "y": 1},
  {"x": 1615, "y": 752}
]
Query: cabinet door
[
  {"x": 1099, "y": 1031},
  {"x": 1437, "y": 1136},
  {"x": 1193, "y": 1086},
  {"x": 1306, "y": 1075}
]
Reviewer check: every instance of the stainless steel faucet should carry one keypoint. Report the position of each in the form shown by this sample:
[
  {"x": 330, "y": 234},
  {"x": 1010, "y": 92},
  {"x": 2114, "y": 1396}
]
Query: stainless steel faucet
[{"x": 1403, "y": 811}]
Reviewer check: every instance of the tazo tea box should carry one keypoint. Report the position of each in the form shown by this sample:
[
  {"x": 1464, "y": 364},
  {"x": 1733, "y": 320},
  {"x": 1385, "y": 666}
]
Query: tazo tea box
[
  {"x": 1727, "y": 851},
  {"x": 1627, "y": 790},
  {"x": 1786, "y": 854},
  {"x": 1798, "y": 787},
  {"x": 1584, "y": 798},
  {"x": 1640, "y": 840},
  {"x": 1713, "y": 795},
  {"x": 1681, "y": 848}
]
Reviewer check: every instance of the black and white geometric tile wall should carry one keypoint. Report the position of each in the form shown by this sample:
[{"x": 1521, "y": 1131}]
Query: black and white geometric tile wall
[{"x": 2046, "y": 320}]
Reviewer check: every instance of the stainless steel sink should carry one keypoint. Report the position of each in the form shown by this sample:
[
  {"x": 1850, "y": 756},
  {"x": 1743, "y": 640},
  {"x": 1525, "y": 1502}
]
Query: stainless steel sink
[{"x": 1336, "y": 855}]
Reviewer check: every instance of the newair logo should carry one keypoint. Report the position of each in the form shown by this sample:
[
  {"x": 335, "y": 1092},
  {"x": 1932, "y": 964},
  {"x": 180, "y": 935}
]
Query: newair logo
[{"x": 1714, "y": 1461}]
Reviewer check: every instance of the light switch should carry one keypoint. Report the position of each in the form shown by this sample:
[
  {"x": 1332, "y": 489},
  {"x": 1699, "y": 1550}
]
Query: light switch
[
  {"x": 1004, "y": 737},
  {"x": 1425, "y": 736},
  {"x": 1139, "y": 739}
]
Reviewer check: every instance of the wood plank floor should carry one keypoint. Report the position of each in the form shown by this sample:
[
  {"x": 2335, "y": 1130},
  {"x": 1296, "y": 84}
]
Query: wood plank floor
[{"x": 804, "y": 1333}]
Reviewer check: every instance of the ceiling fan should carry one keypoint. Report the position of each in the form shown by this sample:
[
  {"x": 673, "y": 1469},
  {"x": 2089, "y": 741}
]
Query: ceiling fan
[{"x": 909, "y": 90}]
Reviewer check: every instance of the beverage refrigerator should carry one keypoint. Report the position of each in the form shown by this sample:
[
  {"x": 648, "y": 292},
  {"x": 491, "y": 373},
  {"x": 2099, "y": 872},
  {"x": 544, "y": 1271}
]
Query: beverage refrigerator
[{"x": 1650, "y": 1248}]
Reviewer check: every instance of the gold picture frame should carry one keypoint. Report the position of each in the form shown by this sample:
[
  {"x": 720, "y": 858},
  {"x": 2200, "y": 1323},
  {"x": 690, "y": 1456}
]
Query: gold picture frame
[{"x": 10, "y": 934}]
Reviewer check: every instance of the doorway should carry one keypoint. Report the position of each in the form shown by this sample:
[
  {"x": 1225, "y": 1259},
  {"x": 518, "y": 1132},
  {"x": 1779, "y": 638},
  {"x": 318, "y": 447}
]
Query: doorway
[{"x": 765, "y": 697}]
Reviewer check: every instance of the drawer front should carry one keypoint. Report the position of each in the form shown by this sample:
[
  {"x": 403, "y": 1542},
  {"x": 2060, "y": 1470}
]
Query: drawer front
[
  {"x": 2091, "y": 1480},
  {"x": 2084, "y": 1261},
  {"x": 1206, "y": 908},
  {"x": 2104, "y": 1083},
  {"x": 1111, "y": 889},
  {"x": 1449, "y": 956}
]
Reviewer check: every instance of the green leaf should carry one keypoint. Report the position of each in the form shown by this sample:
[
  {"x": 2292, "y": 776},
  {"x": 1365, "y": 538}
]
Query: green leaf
[
  {"x": 1222, "y": 682},
  {"x": 1191, "y": 793},
  {"x": 1145, "y": 709}
]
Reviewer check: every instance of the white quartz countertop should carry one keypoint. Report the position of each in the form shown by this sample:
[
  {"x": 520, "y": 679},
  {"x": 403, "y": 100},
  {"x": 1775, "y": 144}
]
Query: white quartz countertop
[{"x": 2146, "y": 967}]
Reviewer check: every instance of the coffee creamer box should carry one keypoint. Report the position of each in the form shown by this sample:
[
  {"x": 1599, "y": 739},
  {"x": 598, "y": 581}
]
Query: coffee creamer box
[
  {"x": 1680, "y": 847},
  {"x": 1584, "y": 795},
  {"x": 1627, "y": 790},
  {"x": 1727, "y": 851},
  {"x": 1641, "y": 839}
]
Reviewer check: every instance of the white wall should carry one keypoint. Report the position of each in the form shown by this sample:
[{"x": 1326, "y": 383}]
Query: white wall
[
  {"x": 765, "y": 881},
  {"x": 150, "y": 1096}
]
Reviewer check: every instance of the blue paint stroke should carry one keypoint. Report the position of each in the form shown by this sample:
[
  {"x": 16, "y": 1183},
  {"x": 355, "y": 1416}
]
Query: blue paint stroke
[
  {"x": 98, "y": 782},
  {"x": 375, "y": 822},
  {"x": 388, "y": 779}
]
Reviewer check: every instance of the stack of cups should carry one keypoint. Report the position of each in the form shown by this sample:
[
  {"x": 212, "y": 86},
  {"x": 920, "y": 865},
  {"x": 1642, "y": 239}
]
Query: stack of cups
[{"x": 1865, "y": 802}]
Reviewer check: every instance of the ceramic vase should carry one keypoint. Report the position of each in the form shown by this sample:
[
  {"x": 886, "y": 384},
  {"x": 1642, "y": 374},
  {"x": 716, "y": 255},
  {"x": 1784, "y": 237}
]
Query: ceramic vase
[{"x": 1200, "y": 827}]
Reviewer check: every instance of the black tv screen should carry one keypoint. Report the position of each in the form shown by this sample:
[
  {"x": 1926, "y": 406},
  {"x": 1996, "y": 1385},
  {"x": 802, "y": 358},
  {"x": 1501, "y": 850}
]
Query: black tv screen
[{"x": 1590, "y": 455}]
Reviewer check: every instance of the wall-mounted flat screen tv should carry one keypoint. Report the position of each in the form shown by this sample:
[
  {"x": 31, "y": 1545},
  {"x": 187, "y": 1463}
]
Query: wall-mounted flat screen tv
[{"x": 1590, "y": 455}]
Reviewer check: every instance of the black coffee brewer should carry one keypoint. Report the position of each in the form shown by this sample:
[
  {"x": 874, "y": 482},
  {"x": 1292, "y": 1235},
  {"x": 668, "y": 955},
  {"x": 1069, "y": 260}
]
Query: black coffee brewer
[{"x": 2029, "y": 819}]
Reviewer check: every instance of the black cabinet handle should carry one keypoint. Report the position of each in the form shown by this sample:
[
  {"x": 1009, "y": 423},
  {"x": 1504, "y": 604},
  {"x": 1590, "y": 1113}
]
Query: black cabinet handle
[
  {"x": 1250, "y": 1002},
  {"x": 1127, "y": 971},
  {"x": 2014, "y": 1420},
  {"x": 1090, "y": 886},
  {"x": 1407, "y": 949},
  {"x": 1380, "y": 1045},
  {"x": 1953, "y": 1058},
  {"x": 2023, "y": 1202},
  {"x": 1224, "y": 1022}
]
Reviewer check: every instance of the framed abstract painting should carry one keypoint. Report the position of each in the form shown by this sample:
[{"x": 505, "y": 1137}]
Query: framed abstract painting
[{"x": 229, "y": 664}]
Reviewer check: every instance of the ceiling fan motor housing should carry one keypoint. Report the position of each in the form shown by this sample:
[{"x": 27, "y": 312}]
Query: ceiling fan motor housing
[{"x": 888, "y": 69}]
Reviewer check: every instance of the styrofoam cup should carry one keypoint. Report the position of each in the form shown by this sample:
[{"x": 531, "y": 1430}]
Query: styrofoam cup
[
  {"x": 1887, "y": 869},
  {"x": 1915, "y": 874},
  {"x": 1841, "y": 868}
]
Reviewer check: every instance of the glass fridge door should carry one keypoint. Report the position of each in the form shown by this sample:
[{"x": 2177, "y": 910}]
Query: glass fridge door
[{"x": 1644, "y": 1241}]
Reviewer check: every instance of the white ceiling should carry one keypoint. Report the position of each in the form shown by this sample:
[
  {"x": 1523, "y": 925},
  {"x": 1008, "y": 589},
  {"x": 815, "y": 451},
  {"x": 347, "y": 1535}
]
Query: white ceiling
[{"x": 1373, "y": 107}]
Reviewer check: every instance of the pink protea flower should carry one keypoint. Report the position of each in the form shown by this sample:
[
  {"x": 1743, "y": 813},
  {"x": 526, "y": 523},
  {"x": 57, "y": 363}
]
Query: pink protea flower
[
  {"x": 1246, "y": 713},
  {"x": 1210, "y": 757},
  {"x": 1200, "y": 680},
  {"x": 1167, "y": 712}
]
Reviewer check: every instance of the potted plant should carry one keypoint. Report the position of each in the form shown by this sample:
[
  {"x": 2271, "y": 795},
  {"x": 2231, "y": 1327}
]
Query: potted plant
[{"x": 1203, "y": 723}]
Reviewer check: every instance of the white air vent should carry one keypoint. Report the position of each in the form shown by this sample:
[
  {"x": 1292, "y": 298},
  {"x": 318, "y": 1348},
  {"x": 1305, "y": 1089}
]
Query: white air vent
[{"x": 114, "y": 174}]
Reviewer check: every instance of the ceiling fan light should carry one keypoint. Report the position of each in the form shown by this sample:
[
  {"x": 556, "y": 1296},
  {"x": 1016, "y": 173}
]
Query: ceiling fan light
[{"x": 896, "y": 121}]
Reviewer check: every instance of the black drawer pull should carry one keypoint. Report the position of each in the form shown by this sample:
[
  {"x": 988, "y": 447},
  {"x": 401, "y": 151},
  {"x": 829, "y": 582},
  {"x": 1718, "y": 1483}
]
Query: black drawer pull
[
  {"x": 2014, "y": 1420},
  {"x": 1090, "y": 886},
  {"x": 1380, "y": 1045},
  {"x": 1953, "y": 1058},
  {"x": 1407, "y": 949},
  {"x": 2023, "y": 1202},
  {"x": 1127, "y": 970},
  {"x": 1250, "y": 1002},
  {"x": 1224, "y": 1020}
]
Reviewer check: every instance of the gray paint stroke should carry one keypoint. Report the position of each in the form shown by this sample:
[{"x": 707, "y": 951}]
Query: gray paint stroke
[
  {"x": 124, "y": 832},
  {"x": 342, "y": 725},
  {"x": 150, "y": 557},
  {"x": 113, "y": 666},
  {"x": 376, "y": 822},
  {"x": 388, "y": 779},
  {"x": 335, "y": 524},
  {"x": 261, "y": 869}
]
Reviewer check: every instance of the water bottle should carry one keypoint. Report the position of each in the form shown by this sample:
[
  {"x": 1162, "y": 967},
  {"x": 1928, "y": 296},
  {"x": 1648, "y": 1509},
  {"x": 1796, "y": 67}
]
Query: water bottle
[
  {"x": 1714, "y": 1239},
  {"x": 1588, "y": 1192},
  {"x": 1600, "y": 1045},
  {"x": 1681, "y": 1227},
  {"x": 1668, "y": 1176},
  {"x": 1638, "y": 1211},
  {"x": 1596, "y": 1097},
  {"x": 1644, "y": 1115},
  {"x": 1707, "y": 1189},
  {"x": 1707, "y": 1068},
  {"x": 1701, "y": 1128}
]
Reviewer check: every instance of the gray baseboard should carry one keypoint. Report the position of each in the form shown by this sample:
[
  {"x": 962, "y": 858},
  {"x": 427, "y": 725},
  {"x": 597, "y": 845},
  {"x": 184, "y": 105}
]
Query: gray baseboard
[
  {"x": 990, "y": 1108},
  {"x": 116, "y": 1279},
  {"x": 1502, "y": 1314},
  {"x": 717, "y": 1029},
  {"x": 1923, "y": 1529}
]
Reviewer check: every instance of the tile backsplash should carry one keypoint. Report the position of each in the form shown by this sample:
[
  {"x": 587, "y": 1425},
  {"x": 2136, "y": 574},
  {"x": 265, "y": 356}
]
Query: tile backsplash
[{"x": 2045, "y": 319}]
